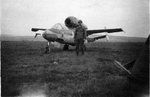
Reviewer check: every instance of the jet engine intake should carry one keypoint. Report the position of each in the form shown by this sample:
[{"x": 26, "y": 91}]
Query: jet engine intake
[{"x": 72, "y": 22}]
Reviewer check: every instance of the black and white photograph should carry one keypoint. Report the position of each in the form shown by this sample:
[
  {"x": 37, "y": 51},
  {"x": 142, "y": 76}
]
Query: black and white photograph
[{"x": 74, "y": 48}]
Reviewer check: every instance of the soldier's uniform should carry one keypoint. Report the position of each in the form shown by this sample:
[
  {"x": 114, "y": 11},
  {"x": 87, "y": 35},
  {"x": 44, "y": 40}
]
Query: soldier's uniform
[{"x": 79, "y": 37}]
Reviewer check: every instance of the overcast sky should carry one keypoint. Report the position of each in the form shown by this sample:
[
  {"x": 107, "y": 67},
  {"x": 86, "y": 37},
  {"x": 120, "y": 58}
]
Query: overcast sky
[{"x": 19, "y": 16}]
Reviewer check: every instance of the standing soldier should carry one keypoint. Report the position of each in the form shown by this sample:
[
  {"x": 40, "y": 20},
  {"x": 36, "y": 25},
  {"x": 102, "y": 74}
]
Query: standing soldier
[{"x": 79, "y": 38}]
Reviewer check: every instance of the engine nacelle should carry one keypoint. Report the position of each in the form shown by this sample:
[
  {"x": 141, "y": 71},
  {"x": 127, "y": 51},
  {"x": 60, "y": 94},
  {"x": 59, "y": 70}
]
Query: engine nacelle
[{"x": 72, "y": 22}]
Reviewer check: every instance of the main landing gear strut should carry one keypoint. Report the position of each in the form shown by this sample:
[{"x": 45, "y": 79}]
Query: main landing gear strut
[{"x": 48, "y": 49}]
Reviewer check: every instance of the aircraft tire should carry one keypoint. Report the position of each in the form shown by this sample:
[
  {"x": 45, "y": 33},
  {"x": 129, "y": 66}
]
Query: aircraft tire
[
  {"x": 47, "y": 50},
  {"x": 66, "y": 47}
]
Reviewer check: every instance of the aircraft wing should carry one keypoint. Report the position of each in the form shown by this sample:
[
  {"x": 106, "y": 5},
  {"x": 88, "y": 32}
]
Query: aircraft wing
[
  {"x": 37, "y": 29},
  {"x": 89, "y": 32}
]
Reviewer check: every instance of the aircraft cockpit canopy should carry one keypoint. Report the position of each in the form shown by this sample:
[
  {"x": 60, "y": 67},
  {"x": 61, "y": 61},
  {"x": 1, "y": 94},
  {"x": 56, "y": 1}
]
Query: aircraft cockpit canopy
[{"x": 60, "y": 26}]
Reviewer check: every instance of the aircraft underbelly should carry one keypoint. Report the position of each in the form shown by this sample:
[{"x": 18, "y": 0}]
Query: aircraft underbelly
[
  {"x": 50, "y": 37},
  {"x": 68, "y": 39}
]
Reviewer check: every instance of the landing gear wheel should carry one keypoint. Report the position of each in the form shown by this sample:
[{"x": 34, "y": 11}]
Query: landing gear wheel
[
  {"x": 66, "y": 47},
  {"x": 47, "y": 50}
]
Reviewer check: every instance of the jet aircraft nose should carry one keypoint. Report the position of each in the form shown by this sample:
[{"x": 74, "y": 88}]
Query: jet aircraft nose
[{"x": 49, "y": 35}]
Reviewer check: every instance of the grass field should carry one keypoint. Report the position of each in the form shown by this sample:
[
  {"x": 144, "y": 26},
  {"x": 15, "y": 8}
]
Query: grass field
[{"x": 28, "y": 72}]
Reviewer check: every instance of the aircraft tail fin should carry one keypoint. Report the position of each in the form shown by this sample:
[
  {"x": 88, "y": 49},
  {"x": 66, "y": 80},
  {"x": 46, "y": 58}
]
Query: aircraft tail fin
[{"x": 118, "y": 64}]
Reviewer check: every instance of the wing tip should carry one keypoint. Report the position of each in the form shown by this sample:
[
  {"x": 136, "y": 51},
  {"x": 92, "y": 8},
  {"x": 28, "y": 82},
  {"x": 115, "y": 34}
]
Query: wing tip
[{"x": 34, "y": 29}]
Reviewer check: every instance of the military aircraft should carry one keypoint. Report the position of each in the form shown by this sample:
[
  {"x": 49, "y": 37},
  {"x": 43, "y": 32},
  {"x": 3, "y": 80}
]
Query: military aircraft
[{"x": 64, "y": 34}]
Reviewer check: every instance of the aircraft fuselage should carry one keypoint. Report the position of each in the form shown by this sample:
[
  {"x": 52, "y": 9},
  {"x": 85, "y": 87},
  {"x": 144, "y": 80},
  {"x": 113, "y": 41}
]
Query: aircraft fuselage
[{"x": 59, "y": 35}]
